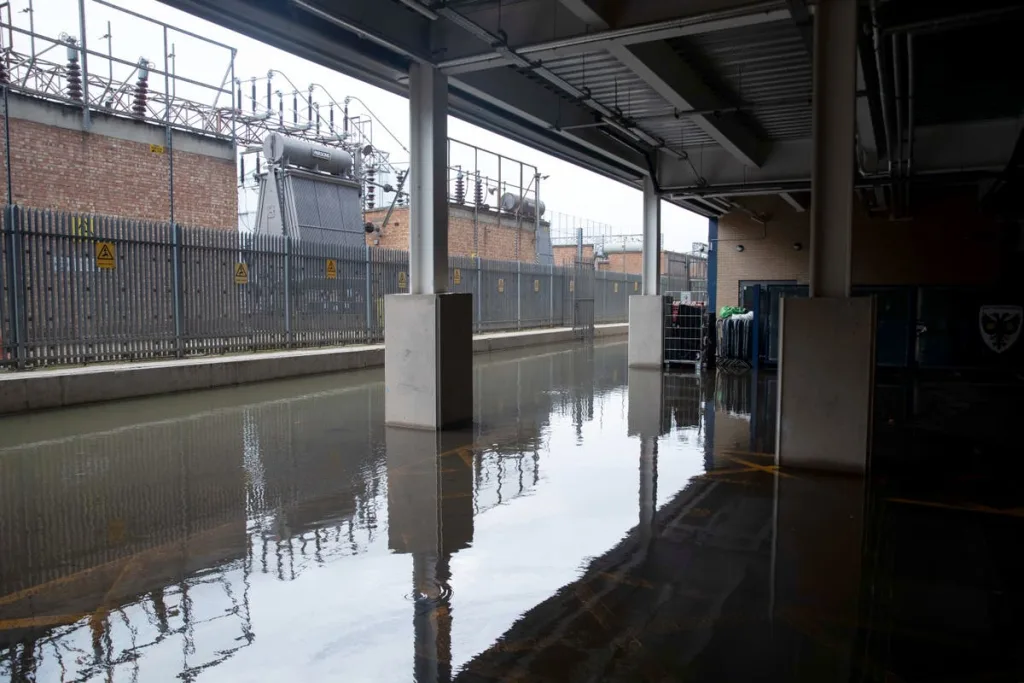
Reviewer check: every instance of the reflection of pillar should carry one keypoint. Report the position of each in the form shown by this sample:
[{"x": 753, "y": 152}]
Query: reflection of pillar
[
  {"x": 648, "y": 485},
  {"x": 646, "y": 420},
  {"x": 817, "y": 560},
  {"x": 430, "y": 516}
]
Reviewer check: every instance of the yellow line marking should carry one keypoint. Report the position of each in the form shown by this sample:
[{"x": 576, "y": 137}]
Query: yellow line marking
[
  {"x": 963, "y": 507},
  {"x": 39, "y": 622},
  {"x": 751, "y": 454},
  {"x": 713, "y": 473},
  {"x": 769, "y": 469}
]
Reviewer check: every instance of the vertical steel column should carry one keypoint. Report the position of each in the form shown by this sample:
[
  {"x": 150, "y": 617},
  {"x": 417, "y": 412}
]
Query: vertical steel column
[
  {"x": 428, "y": 213},
  {"x": 519, "y": 295},
  {"x": 551, "y": 294},
  {"x": 288, "y": 291},
  {"x": 86, "y": 121},
  {"x": 15, "y": 283},
  {"x": 369, "y": 310},
  {"x": 479, "y": 295},
  {"x": 167, "y": 130},
  {"x": 179, "y": 350},
  {"x": 651, "y": 275},
  {"x": 833, "y": 106}
]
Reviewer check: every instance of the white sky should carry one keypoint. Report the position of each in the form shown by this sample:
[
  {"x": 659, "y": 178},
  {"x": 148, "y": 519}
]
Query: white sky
[{"x": 569, "y": 189}]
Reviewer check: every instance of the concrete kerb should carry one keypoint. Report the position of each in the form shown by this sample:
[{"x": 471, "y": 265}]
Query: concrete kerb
[{"x": 64, "y": 387}]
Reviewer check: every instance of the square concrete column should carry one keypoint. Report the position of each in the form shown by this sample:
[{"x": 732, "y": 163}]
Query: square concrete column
[
  {"x": 647, "y": 310},
  {"x": 826, "y": 362},
  {"x": 428, "y": 333}
]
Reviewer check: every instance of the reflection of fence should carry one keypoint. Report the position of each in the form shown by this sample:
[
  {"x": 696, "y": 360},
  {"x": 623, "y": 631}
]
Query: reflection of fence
[{"x": 128, "y": 290}]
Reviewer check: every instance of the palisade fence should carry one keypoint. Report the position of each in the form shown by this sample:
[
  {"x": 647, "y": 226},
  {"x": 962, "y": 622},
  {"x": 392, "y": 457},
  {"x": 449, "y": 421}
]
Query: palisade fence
[{"x": 80, "y": 288}]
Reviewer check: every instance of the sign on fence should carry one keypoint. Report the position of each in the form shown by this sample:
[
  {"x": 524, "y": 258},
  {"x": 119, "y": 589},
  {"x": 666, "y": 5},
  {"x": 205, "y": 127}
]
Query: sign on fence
[
  {"x": 458, "y": 276},
  {"x": 156, "y": 149},
  {"x": 241, "y": 273},
  {"x": 572, "y": 285},
  {"x": 615, "y": 287},
  {"x": 105, "y": 255},
  {"x": 636, "y": 286},
  {"x": 332, "y": 269},
  {"x": 501, "y": 285},
  {"x": 536, "y": 285},
  {"x": 403, "y": 281}
]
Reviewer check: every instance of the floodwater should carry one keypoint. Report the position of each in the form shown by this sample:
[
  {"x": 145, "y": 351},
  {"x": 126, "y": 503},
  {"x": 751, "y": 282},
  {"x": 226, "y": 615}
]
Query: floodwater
[{"x": 595, "y": 524}]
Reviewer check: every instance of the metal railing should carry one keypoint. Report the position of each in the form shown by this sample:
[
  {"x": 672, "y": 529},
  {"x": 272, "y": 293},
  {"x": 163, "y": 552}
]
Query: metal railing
[{"x": 79, "y": 288}]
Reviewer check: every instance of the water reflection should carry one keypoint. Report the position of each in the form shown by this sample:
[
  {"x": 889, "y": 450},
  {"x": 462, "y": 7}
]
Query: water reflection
[
  {"x": 142, "y": 536},
  {"x": 594, "y": 524}
]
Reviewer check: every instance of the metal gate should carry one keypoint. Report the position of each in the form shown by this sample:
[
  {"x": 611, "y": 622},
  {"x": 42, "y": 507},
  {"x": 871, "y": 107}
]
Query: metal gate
[{"x": 581, "y": 293}]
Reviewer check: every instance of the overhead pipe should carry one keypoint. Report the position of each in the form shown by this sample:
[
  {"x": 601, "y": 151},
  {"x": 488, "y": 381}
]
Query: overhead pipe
[
  {"x": 910, "y": 115},
  {"x": 897, "y": 74},
  {"x": 883, "y": 80}
]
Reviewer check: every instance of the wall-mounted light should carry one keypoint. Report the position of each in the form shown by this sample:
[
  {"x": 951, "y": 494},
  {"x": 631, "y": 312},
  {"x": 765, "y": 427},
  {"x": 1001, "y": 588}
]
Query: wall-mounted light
[
  {"x": 797, "y": 246},
  {"x": 739, "y": 247}
]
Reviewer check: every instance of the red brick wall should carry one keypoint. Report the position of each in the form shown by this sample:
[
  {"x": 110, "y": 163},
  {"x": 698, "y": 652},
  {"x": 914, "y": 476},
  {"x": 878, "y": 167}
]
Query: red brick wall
[
  {"x": 494, "y": 241},
  {"x": 58, "y": 168},
  {"x": 947, "y": 243},
  {"x": 566, "y": 255}
]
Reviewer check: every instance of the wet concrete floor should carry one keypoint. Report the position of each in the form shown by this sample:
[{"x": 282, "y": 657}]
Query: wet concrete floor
[{"x": 593, "y": 525}]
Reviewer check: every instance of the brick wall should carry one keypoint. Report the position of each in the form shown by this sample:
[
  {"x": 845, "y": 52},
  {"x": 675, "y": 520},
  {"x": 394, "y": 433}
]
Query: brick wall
[
  {"x": 494, "y": 241},
  {"x": 57, "y": 167},
  {"x": 947, "y": 243},
  {"x": 565, "y": 255}
]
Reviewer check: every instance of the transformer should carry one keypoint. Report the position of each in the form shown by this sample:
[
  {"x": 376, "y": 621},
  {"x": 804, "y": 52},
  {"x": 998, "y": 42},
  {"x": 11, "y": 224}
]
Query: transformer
[{"x": 305, "y": 195}]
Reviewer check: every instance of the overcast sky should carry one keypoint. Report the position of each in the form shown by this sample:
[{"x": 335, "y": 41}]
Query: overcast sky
[{"x": 569, "y": 189}]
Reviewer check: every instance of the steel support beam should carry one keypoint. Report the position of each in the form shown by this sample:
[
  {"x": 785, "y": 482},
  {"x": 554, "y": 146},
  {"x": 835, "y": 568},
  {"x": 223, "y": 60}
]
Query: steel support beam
[
  {"x": 832, "y": 166},
  {"x": 657, "y": 64},
  {"x": 651, "y": 248},
  {"x": 428, "y": 201},
  {"x": 682, "y": 87}
]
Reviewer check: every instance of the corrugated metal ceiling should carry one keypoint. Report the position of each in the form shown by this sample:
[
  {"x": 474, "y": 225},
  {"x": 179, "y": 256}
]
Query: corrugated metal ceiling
[
  {"x": 617, "y": 87},
  {"x": 766, "y": 66}
]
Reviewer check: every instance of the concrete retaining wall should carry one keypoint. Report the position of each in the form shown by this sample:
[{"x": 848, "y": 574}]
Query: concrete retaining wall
[{"x": 38, "y": 390}]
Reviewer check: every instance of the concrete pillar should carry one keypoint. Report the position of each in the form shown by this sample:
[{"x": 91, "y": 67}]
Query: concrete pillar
[
  {"x": 826, "y": 360},
  {"x": 647, "y": 310},
  {"x": 428, "y": 335},
  {"x": 651, "y": 253}
]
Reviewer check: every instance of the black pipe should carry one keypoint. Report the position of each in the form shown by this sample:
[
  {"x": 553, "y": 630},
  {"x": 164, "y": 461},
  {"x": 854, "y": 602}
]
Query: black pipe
[
  {"x": 254, "y": 95},
  {"x": 295, "y": 107},
  {"x": 270, "y": 106},
  {"x": 331, "y": 105}
]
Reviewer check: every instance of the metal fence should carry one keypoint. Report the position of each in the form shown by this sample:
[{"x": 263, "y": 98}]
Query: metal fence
[{"x": 80, "y": 288}]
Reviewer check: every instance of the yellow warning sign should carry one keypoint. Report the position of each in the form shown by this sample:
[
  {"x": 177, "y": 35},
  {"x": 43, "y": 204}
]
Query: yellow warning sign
[
  {"x": 572, "y": 285},
  {"x": 457, "y": 276},
  {"x": 536, "y": 285},
  {"x": 403, "y": 280},
  {"x": 156, "y": 149},
  {"x": 241, "y": 273},
  {"x": 332, "y": 269},
  {"x": 501, "y": 285},
  {"x": 105, "y": 255},
  {"x": 636, "y": 286},
  {"x": 616, "y": 287}
]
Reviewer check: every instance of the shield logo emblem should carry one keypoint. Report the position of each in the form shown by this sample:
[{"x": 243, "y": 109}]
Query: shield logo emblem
[{"x": 1000, "y": 326}]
